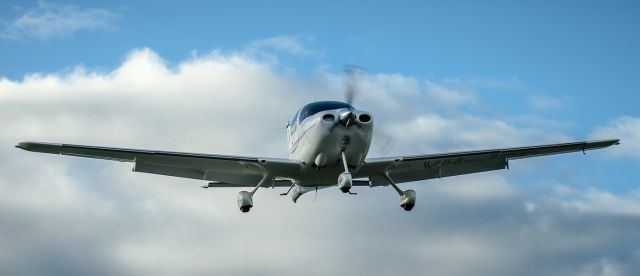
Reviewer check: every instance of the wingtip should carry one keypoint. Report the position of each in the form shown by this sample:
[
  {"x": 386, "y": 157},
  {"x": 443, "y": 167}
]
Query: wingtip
[
  {"x": 608, "y": 142},
  {"x": 28, "y": 146}
]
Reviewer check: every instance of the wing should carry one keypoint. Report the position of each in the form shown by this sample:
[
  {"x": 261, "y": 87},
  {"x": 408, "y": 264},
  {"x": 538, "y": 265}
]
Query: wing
[
  {"x": 236, "y": 170},
  {"x": 421, "y": 167}
]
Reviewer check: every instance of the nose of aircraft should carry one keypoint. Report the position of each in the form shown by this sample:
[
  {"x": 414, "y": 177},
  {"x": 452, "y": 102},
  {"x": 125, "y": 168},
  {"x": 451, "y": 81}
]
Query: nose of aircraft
[{"x": 346, "y": 118}]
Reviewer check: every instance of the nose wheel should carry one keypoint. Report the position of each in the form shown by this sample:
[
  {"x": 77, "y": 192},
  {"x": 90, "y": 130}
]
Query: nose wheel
[{"x": 345, "y": 181}]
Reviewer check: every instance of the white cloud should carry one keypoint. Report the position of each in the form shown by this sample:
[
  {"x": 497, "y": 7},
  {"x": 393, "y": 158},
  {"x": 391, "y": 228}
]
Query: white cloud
[
  {"x": 598, "y": 201},
  {"x": 48, "y": 20},
  {"x": 460, "y": 132},
  {"x": 447, "y": 95},
  {"x": 627, "y": 129},
  {"x": 73, "y": 216},
  {"x": 296, "y": 45}
]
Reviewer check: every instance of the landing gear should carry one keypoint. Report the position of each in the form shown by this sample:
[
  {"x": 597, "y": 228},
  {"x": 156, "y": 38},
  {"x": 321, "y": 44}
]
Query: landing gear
[
  {"x": 407, "y": 198},
  {"x": 345, "y": 181},
  {"x": 284, "y": 194},
  {"x": 245, "y": 199}
]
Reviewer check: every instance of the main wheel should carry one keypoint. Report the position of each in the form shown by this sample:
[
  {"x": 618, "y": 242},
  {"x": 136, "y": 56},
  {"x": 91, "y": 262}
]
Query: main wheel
[
  {"x": 407, "y": 207},
  {"x": 408, "y": 200}
]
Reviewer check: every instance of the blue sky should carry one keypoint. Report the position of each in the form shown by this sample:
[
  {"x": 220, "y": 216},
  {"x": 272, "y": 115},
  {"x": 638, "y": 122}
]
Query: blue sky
[
  {"x": 586, "y": 50},
  {"x": 442, "y": 76}
]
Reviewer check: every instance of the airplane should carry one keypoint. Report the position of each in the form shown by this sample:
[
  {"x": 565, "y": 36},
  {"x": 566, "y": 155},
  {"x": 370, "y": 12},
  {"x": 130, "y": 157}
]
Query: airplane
[{"x": 328, "y": 144}]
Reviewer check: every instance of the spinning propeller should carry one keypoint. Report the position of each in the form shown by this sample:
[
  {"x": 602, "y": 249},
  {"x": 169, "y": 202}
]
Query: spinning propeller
[{"x": 353, "y": 76}]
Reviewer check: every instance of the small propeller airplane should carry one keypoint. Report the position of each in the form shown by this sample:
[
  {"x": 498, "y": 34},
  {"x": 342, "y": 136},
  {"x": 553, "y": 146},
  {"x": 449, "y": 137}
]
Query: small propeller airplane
[{"x": 328, "y": 144}]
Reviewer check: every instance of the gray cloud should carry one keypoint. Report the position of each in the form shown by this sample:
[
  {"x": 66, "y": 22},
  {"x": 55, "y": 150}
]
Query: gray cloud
[
  {"x": 49, "y": 20},
  {"x": 72, "y": 216}
]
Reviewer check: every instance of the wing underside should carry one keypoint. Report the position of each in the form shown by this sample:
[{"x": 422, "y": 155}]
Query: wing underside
[
  {"x": 233, "y": 170},
  {"x": 422, "y": 167},
  {"x": 239, "y": 171}
]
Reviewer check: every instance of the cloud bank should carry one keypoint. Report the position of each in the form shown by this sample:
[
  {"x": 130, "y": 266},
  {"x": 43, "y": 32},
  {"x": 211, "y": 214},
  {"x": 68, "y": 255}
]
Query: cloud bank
[{"x": 72, "y": 216}]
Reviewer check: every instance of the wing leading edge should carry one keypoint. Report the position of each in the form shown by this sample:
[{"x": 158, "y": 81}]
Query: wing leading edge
[
  {"x": 422, "y": 167},
  {"x": 235, "y": 170},
  {"x": 240, "y": 171}
]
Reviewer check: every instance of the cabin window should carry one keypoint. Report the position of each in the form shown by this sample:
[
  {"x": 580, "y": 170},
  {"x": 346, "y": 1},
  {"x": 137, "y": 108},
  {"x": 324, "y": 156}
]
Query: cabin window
[
  {"x": 294, "y": 121},
  {"x": 313, "y": 108}
]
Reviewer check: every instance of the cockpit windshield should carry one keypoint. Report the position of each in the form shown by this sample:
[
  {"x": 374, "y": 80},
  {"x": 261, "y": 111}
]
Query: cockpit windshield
[{"x": 313, "y": 108}]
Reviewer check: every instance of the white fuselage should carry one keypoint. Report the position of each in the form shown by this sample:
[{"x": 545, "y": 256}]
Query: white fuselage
[{"x": 319, "y": 139}]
